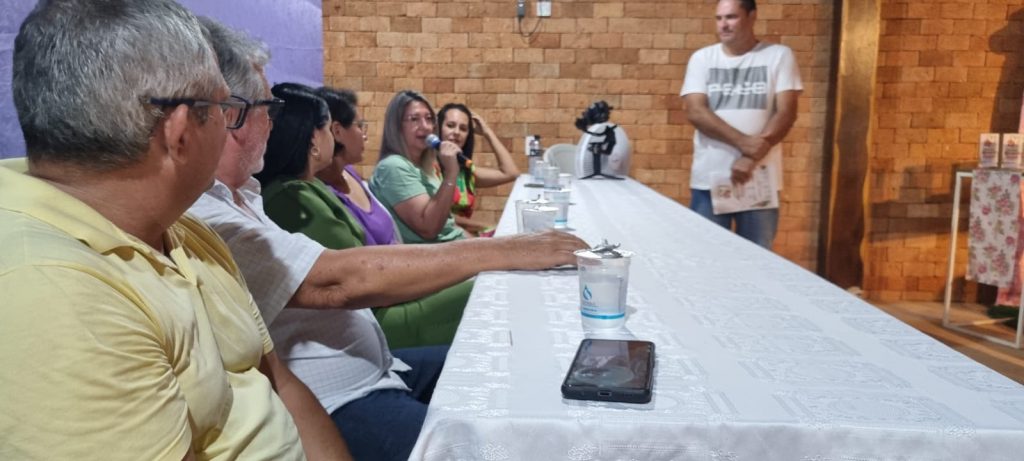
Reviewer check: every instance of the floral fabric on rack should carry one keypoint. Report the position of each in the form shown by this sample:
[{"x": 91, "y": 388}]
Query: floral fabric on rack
[{"x": 994, "y": 227}]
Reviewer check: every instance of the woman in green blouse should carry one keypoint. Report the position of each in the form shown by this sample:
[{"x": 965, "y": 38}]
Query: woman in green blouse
[
  {"x": 413, "y": 180},
  {"x": 300, "y": 145}
]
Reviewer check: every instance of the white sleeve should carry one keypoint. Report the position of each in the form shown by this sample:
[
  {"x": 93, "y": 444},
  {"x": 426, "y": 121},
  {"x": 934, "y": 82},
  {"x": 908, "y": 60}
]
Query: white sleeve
[
  {"x": 696, "y": 80},
  {"x": 273, "y": 261},
  {"x": 788, "y": 74}
]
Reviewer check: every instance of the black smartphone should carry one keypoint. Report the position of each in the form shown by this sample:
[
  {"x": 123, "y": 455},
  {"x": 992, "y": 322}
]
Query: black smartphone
[{"x": 611, "y": 370}]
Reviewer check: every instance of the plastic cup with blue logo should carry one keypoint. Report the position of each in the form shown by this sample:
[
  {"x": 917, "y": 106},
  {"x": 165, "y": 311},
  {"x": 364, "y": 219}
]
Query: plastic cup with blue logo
[
  {"x": 604, "y": 279},
  {"x": 559, "y": 198}
]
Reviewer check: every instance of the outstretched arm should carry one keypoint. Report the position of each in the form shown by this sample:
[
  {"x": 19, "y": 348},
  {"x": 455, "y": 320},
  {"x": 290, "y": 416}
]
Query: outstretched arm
[{"x": 390, "y": 274}]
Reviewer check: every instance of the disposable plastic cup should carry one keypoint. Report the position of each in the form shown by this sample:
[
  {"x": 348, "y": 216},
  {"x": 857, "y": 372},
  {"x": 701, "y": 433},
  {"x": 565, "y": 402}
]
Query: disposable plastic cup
[
  {"x": 520, "y": 206},
  {"x": 539, "y": 218},
  {"x": 565, "y": 180},
  {"x": 604, "y": 281},
  {"x": 524, "y": 204},
  {"x": 551, "y": 177},
  {"x": 559, "y": 198},
  {"x": 538, "y": 169}
]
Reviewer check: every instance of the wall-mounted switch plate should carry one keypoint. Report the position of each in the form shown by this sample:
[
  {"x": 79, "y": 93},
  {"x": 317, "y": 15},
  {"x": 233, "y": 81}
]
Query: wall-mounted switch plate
[{"x": 543, "y": 8}]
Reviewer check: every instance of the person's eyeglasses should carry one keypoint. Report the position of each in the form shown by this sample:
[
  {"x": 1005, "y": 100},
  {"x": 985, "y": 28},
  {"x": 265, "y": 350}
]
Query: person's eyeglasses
[
  {"x": 274, "y": 106},
  {"x": 234, "y": 108},
  {"x": 363, "y": 125},
  {"x": 416, "y": 119}
]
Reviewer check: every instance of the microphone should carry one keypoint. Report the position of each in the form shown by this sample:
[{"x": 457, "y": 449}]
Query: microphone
[{"x": 434, "y": 142}]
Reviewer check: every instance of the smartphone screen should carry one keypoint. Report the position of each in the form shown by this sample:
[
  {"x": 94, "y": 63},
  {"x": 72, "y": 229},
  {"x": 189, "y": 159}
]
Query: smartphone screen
[{"x": 611, "y": 370}]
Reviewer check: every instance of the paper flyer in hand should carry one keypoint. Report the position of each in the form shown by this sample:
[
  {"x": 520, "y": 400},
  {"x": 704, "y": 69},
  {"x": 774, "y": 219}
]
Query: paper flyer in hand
[{"x": 758, "y": 193}]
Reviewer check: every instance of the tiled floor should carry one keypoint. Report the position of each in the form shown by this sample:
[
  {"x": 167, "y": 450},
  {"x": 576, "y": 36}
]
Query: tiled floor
[{"x": 927, "y": 317}]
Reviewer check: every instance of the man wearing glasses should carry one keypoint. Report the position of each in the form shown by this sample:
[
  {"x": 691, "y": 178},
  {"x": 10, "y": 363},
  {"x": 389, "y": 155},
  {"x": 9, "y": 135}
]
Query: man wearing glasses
[
  {"x": 127, "y": 331},
  {"x": 313, "y": 299}
]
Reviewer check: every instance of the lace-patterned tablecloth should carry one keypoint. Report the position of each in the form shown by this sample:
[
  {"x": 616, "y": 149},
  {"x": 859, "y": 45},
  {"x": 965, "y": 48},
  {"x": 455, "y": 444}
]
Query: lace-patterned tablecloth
[{"x": 757, "y": 359}]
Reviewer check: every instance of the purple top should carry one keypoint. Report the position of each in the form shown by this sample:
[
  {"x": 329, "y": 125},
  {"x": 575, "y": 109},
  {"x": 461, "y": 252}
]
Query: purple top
[{"x": 380, "y": 229}]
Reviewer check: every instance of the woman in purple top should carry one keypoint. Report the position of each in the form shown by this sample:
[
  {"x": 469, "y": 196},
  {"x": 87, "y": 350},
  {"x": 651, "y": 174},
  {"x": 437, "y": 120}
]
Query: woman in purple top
[{"x": 349, "y": 130}]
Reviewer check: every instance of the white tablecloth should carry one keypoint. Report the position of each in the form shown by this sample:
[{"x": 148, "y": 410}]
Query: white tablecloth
[{"x": 757, "y": 359}]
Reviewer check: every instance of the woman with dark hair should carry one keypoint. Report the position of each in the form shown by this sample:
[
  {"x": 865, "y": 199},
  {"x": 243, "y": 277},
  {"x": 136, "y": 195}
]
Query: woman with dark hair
[
  {"x": 459, "y": 125},
  {"x": 431, "y": 320},
  {"x": 350, "y": 131},
  {"x": 300, "y": 145},
  {"x": 414, "y": 181}
]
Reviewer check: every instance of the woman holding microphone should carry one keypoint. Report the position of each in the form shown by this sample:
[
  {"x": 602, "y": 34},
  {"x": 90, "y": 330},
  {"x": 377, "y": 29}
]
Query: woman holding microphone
[{"x": 415, "y": 181}]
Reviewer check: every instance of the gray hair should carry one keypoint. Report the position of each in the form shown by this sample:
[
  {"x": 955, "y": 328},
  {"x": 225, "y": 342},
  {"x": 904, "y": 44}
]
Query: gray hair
[
  {"x": 391, "y": 142},
  {"x": 240, "y": 57},
  {"x": 84, "y": 70}
]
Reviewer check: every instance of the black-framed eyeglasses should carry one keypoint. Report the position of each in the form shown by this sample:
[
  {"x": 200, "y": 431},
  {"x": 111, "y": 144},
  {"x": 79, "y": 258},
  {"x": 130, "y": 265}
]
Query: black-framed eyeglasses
[
  {"x": 234, "y": 108},
  {"x": 274, "y": 106}
]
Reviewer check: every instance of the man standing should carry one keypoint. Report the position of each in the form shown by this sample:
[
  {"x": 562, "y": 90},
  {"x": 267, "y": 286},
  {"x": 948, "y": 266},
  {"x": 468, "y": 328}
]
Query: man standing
[
  {"x": 741, "y": 95},
  {"x": 127, "y": 332},
  {"x": 315, "y": 299}
]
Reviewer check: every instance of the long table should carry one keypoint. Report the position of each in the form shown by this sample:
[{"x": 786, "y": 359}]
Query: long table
[{"x": 757, "y": 359}]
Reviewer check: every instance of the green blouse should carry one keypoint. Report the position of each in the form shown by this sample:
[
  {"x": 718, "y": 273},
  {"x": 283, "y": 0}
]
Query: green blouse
[
  {"x": 309, "y": 207},
  {"x": 395, "y": 180}
]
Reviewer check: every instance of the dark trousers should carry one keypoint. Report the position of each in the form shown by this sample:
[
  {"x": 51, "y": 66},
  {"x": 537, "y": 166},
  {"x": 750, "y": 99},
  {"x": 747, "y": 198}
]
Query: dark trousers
[
  {"x": 758, "y": 226},
  {"x": 384, "y": 425}
]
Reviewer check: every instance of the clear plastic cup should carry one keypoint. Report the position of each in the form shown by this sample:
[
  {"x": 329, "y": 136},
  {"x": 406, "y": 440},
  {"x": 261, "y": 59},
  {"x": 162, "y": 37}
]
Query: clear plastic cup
[
  {"x": 551, "y": 177},
  {"x": 565, "y": 180},
  {"x": 520, "y": 206},
  {"x": 538, "y": 169},
  {"x": 560, "y": 199},
  {"x": 539, "y": 218},
  {"x": 524, "y": 204},
  {"x": 604, "y": 280}
]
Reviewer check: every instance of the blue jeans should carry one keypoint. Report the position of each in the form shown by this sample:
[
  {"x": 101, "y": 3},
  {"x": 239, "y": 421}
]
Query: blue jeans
[
  {"x": 384, "y": 425},
  {"x": 758, "y": 226}
]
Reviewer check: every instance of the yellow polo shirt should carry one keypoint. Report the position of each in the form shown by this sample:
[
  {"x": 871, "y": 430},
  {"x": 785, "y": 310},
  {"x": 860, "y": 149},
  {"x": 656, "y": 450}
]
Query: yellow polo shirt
[{"x": 112, "y": 350}]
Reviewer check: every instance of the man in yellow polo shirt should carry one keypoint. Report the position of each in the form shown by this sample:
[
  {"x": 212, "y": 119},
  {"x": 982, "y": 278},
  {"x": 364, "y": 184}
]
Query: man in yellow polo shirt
[{"x": 126, "y": 329}]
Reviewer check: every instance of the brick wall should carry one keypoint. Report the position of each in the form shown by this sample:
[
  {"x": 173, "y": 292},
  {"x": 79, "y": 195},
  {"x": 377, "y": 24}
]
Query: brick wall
[
  {"x": 632, "y": 54},
  {"x": 948, "y": 71}
]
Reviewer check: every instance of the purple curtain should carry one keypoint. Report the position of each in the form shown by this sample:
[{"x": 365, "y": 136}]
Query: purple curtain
[
  {"x": 11, "y": 142},
  {"x": 292, "y": 28}
]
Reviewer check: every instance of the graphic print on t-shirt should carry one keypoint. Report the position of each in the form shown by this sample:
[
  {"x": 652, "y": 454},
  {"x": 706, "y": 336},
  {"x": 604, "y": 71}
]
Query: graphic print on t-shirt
[{"x": 738, "y": 88}]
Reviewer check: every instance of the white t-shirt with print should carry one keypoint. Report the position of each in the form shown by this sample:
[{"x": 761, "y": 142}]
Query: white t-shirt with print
[{"x": 741, "y": 91}]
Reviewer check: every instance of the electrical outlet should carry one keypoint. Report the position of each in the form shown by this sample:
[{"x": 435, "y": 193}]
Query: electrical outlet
[
  {"x": 520, "y": 9},
  {"x": 543, "y": 8}
]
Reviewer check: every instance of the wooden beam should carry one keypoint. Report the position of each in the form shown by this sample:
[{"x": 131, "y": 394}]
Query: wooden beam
[{"x": 848, "y": 142}]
